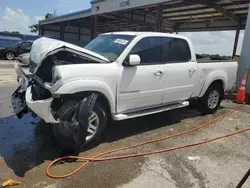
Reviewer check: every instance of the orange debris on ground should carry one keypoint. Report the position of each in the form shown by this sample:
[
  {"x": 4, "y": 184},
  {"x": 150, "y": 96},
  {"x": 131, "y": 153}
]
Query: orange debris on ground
[{"x": 10, "y": 182}]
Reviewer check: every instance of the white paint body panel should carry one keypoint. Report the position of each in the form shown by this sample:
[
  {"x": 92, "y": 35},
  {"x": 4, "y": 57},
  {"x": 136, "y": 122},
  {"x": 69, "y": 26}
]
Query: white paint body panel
[
  {"x": 40, "y": 108},
  {"x": 209, "y": 72},
  {"x": 89, "y": 77},
  {"x": 180, "y": 80},
  {"x": 139, "y": 87}
]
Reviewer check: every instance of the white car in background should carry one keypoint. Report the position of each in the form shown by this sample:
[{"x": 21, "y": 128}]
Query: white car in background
[{"x": 24, "y": 59}]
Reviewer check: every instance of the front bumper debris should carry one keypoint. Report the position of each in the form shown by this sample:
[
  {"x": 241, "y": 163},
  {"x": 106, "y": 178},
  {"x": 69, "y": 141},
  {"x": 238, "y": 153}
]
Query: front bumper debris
[
  {"x": 22, "y": 99},
  {"x": 18, "y": 98},
  {"x": 18, "y": 102},
  {"x": 42, "y": 108}
]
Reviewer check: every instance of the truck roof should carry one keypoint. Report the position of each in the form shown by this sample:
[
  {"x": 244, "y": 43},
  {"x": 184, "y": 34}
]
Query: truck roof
[{"x": 134, "y": 33}]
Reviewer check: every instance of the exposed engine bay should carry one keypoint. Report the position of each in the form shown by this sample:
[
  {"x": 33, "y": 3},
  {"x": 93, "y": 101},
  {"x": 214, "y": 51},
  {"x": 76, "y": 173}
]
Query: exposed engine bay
[{"x": 45, "y": 71}]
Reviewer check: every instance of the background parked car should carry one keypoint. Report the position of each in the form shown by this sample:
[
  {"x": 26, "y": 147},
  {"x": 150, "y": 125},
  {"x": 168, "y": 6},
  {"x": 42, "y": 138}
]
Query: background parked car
[
  {"x": 10, "y": 53},
  {"x": 24, "y": 59}
]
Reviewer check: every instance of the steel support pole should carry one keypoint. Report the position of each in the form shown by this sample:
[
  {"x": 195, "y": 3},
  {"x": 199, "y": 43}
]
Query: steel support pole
[
  {"x": 79, "y": 35},
  {"x": 61, "y": 31},
  {"x": 236, "y": 40},
  {"x": 41, "y": 30},
  {"x": 245, "y": 56},
  {"x": 158, "y": 18},
  {"x": 94, "y": 26}
]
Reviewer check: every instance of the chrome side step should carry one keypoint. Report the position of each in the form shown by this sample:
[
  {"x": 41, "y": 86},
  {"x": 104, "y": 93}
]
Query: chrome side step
[{"x": 119, "y": 117}]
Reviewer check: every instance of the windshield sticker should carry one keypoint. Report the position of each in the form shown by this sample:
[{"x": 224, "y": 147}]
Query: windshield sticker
[{"x": 121, "y": 41}]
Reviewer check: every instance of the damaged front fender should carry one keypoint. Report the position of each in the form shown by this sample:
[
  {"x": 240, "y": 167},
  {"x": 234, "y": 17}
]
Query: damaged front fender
[
  {"x": 72, "y": 131},
  {"x": 77, "y": 86}
]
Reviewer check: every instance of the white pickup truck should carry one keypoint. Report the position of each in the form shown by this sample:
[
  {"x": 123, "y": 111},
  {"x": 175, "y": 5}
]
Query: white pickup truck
[{"x": 131, "y": 74}]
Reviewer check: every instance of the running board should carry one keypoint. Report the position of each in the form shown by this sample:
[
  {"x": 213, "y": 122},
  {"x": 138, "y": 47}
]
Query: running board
[{"x": 119, "y": 117}]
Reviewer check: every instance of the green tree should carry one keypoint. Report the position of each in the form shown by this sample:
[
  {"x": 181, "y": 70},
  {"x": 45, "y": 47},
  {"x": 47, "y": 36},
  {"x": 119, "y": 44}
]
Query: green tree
[
  {"x": 48, "y": 15},
  {"x": 35, "y": 27},
  {"x": 13, "y": 32}
]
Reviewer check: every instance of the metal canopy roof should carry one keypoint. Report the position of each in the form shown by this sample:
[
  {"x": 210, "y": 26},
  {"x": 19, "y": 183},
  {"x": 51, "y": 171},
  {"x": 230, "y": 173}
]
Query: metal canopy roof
[
  {"x": 67, "y": 17},
  {"x": 177, "y": 15},
  {"x": 185, "y": 15}
]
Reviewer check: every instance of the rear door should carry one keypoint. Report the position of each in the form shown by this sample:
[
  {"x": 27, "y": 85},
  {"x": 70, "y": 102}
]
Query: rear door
[
  {"x": 142, "y": 86},
  {"x": 180, "y": 74}
]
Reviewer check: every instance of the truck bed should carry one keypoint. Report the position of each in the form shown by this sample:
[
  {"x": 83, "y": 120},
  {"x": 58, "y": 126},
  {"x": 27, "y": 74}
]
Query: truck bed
[{"x": 218, "y": 69}]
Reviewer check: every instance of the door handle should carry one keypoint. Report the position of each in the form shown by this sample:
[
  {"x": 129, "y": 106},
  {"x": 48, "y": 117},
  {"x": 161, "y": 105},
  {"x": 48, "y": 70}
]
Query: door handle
[
  {"x": 192, "y": 70},
  {"x": 158, "y": 73}
]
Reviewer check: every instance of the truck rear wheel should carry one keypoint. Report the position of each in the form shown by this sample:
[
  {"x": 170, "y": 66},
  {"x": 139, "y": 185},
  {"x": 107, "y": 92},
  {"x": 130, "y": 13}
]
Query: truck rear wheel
[
  {"x": 89, "y": 133},
  {"x": 211, "y": 100}
]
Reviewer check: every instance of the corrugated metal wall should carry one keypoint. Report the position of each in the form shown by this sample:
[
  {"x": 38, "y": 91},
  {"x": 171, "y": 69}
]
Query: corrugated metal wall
[{"x": 72, "y": 35}]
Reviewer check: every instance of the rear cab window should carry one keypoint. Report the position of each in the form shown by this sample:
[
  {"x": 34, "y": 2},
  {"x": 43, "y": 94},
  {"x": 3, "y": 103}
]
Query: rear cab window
[{"x": 176, "y": 50}]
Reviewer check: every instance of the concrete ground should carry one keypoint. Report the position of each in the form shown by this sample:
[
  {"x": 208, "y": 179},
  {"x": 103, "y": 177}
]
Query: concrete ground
[
  {"x": 27, "y": 146},
  {"x": 7, "y": 73}
]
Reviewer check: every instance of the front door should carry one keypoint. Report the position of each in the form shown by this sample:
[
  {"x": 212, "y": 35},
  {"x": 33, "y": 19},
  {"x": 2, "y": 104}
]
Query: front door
[{"x": 142, "y": 86}]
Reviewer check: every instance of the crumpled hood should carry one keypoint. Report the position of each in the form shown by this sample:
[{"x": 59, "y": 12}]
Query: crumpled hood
[{"x": 44, "y": 46}]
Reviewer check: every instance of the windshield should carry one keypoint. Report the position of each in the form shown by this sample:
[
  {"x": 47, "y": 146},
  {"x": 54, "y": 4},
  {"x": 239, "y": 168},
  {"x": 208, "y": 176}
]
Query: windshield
[{"x": 109, "y": 46}]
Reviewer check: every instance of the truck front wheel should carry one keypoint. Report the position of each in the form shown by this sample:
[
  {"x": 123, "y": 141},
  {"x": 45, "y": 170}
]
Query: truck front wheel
[
  {"x": 72, "y": 138},
  {"x": 211, "y": 100}
]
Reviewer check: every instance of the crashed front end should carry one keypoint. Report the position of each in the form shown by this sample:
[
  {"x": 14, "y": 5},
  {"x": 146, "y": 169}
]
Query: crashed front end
[
  {"x": 35, "y": 92},
  {"x": 31, "y": 96}
]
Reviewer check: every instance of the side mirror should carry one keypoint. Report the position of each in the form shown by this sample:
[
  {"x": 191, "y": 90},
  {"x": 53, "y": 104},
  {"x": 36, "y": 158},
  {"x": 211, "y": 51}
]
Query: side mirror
[{"x": 134, "y": 60}]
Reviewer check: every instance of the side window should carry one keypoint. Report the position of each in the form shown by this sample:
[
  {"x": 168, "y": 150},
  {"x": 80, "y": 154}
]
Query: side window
[
  {"x": 176, "y": 50},
  {"x": 150, "y": 50}
]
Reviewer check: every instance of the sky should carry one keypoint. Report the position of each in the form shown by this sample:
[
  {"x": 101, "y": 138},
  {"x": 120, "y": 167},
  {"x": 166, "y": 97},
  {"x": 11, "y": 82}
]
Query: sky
[{"x": 17, "y": 15}]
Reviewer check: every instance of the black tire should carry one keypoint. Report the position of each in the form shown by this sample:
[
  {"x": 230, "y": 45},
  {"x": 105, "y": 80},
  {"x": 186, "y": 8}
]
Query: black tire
[
  {"x": 203, "y": 103},
  {"x": 12, "y": 57},
  {"x": 61, "y": 130}
]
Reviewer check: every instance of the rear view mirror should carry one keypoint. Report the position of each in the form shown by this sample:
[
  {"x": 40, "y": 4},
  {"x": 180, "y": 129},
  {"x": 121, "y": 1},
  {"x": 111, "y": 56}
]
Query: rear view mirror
[{"x": 134, "y": 60}]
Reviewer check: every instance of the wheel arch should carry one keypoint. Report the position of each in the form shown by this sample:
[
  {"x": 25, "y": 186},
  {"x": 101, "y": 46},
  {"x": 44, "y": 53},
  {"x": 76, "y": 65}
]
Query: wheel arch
[
  {"x": 216, "y": 77},
  {"x": 219, "y": 82},
  {"x": 81, "y": 88}
]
